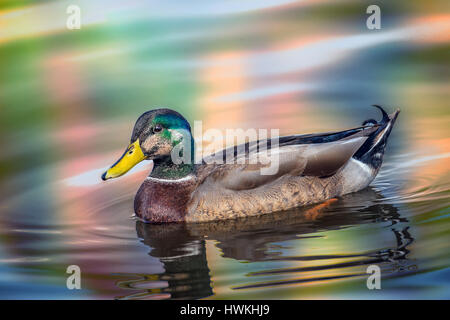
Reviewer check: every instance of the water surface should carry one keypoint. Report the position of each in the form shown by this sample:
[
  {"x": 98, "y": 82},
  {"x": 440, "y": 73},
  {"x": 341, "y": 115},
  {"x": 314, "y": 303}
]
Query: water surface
[{"x": 69, "y": 99}]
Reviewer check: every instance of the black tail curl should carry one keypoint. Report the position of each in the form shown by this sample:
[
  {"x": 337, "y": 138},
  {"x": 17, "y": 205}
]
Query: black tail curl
[{"x": 372, "y": 151}]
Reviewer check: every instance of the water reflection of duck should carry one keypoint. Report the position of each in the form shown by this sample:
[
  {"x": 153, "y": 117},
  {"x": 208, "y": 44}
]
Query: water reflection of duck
[
  {"x": 249, "y": 238},
  {"x": 309, "y": 169},
  {"x": 183, "y": 257},
  {"x": 182, "y": 250}
]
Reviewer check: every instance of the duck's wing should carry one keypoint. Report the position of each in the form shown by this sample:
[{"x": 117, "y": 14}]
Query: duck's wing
[
  {"x": 255, "y": 164},
  {"x": 231, "y": 154}
]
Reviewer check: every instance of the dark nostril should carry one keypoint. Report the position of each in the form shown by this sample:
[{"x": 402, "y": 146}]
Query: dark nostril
[{"x": 104, "y": 176}]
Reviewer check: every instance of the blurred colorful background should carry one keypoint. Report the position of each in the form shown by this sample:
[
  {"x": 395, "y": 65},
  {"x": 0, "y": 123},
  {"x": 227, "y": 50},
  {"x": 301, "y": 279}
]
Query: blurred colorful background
[{"x": 69, "y": 100}]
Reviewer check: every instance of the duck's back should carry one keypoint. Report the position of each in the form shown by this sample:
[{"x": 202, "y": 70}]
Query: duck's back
[{"x": 312, "y": 168}]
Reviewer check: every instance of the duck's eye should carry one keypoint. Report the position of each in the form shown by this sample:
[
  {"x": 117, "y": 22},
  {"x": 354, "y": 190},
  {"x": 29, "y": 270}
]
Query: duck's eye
[{"x": 157, "y": 128}]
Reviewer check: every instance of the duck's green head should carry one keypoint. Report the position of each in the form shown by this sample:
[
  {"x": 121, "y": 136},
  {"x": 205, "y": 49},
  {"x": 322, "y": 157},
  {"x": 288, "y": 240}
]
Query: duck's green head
[{"x": 155, "y": 135}]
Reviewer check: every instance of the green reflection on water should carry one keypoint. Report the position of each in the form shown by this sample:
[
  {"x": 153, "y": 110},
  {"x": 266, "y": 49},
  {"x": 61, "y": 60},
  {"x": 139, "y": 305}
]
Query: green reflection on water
[{"x": 68, "y": 100}]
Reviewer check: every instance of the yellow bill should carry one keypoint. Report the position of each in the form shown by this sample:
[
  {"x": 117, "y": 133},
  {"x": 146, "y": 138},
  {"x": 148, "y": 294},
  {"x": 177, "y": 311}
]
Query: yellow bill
[{"x": 132, "y": 156}]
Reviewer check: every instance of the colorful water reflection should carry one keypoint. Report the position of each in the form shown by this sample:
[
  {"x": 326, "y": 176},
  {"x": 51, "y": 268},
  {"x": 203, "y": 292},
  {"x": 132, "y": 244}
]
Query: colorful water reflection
[{"x": 69, "y": 99}]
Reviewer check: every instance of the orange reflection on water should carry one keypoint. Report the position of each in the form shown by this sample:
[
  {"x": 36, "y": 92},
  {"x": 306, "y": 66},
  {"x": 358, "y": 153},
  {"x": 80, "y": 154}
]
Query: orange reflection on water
[{"x": 438, "y": 28}]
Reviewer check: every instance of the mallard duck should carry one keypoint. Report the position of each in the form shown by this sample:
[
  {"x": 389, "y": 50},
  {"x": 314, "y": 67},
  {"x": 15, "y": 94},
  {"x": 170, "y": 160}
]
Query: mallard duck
[{"x": 310, "y": 169}]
